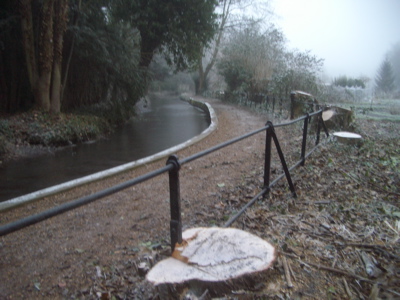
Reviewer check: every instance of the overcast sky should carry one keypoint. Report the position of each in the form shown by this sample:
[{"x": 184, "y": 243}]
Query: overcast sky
[{"x": 352, "y": 36}]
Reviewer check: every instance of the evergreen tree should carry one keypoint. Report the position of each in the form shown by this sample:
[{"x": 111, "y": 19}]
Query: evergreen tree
[
  {"x": 385, "y": 78},
  {"x": 394, "y": 58}
]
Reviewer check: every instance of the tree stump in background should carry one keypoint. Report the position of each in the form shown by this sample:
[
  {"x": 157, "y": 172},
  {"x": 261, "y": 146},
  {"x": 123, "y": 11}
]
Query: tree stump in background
[
  {"x": 302, "y": 103},
  {"x": 337, "y": 118}
]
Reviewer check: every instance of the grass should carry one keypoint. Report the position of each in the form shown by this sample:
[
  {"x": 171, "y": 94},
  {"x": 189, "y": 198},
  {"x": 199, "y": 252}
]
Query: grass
[{"x": 378, "y": 109}]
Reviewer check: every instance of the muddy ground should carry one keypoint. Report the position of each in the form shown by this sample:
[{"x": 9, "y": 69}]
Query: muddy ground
[{"x": 339, "y": 239}]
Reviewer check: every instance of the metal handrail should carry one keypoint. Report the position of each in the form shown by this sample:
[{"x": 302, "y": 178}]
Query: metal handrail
[{"x": 173, "y": 166}]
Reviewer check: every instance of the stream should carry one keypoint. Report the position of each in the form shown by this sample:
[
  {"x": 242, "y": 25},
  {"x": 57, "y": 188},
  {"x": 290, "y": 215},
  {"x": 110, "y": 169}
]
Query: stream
[{"x": 166, "y": 122}]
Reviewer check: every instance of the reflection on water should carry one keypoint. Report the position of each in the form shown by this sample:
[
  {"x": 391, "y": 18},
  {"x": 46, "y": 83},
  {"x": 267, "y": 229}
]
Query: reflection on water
[{"x": 170, "y": 122}]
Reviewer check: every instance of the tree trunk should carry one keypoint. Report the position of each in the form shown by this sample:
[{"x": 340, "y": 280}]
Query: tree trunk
[
  {"x": 60, "y": 25},
  {"x": 55, "y": 103},
  {"x": 45, "y": 55},
  {"x": 204, "y": 73},
  {"x": 42, "y": 95},
  {"x": 45, "y": 72},
  {"x": 200, "y": 81},
  {"x": 25, "y": 9},
  {"x": 67, "y": 65}
]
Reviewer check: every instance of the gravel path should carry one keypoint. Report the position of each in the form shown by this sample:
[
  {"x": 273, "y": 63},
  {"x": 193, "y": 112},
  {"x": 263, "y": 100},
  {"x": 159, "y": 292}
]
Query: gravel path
[{"x": 60, "y": 257}]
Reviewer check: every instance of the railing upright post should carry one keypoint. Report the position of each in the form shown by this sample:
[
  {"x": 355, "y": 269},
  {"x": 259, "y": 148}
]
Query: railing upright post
[
  {"x": 175, "y": 202},
  {"x": 304, "y": 144},
  {"x": 283, "y": 161},
  {"x": 324, "y": 126},
  {"x": 319, "y": 116},
  {"x": 267, "y": 160}
]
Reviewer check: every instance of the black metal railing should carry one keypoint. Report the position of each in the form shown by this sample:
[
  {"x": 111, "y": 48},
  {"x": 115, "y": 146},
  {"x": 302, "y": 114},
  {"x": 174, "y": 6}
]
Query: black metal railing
[
  {"x": 173, "y": 166},
  {"x": 268, "y": 102}
]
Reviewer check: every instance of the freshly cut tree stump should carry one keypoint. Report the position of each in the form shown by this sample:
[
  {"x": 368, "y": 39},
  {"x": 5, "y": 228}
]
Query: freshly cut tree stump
[
  {"x": 348, "y": 138},
  {"x": 328, "y": 114},
  {"x": 212, "y": 259}
]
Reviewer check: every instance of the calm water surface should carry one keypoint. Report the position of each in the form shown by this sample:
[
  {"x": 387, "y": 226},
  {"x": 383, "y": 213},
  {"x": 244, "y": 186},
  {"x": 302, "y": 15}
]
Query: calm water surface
[{"x": 168, "y": 122}]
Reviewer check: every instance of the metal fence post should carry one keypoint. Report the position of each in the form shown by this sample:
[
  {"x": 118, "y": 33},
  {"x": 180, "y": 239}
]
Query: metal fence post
[
  {"x": 283, "y": 162},
  {"x": 318, "y": 128},
  {"x": 324, "y": 126},
  {"x": 304, "y": 144},
  {"x": 267, "y": 160},
  {"x": 175, "y": 202}
]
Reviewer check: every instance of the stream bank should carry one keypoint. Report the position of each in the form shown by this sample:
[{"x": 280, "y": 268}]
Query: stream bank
[{"x": 35, "y": 132}]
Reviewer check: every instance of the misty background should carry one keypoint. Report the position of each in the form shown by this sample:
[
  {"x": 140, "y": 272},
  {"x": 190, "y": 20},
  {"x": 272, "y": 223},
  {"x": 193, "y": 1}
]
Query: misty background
[
  {"x": 110, "y": 54},
  {"x": 352, "y": 36}
]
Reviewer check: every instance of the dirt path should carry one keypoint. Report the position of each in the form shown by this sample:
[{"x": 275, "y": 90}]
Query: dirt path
[
  {"x": 338, "y": 217},
  {"x": 59, "y": 255}
]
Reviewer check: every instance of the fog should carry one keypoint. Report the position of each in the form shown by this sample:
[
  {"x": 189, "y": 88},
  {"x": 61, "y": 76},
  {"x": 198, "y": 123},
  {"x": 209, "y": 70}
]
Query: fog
[{"x": 352, "y": 36}]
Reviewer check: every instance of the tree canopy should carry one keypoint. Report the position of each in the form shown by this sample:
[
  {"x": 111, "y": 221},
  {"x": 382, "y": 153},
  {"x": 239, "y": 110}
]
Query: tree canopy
[
  {"x": 72, "y": 53},
  {"x": 250, "y": 58},
  {"x": 179, "y": 28},
  {"x": 232, "y": 15},
  {"x": 349, "y": 82},
  {"x": 255, "y": 61}
]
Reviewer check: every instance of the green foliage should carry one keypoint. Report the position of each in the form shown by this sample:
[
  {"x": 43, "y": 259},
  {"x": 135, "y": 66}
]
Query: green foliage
[
  {"x": 178, "y": 28},
  {"x": 107, "y": 49},
  {"x": 40, "y": 128},
  {"x": 345, "y": 81},
  {"x": 250, "y": 58},
  {"x": 255, "y": 62},
  {"x": 299, "y": 71},
  {"x": 104, "y": 70},
  {"x": 235, "y": 74}
]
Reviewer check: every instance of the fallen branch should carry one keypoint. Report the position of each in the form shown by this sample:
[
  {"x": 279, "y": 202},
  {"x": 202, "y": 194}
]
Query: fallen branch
[
  {"x": 380, "y": 248},
  {"x": 347, "y": 289},
  {"x": 287, "y": 274},
  {"x": 345, "y": 273},
  {"x": 337, "y": 271},
  {"x": 315, "y": 203}
]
